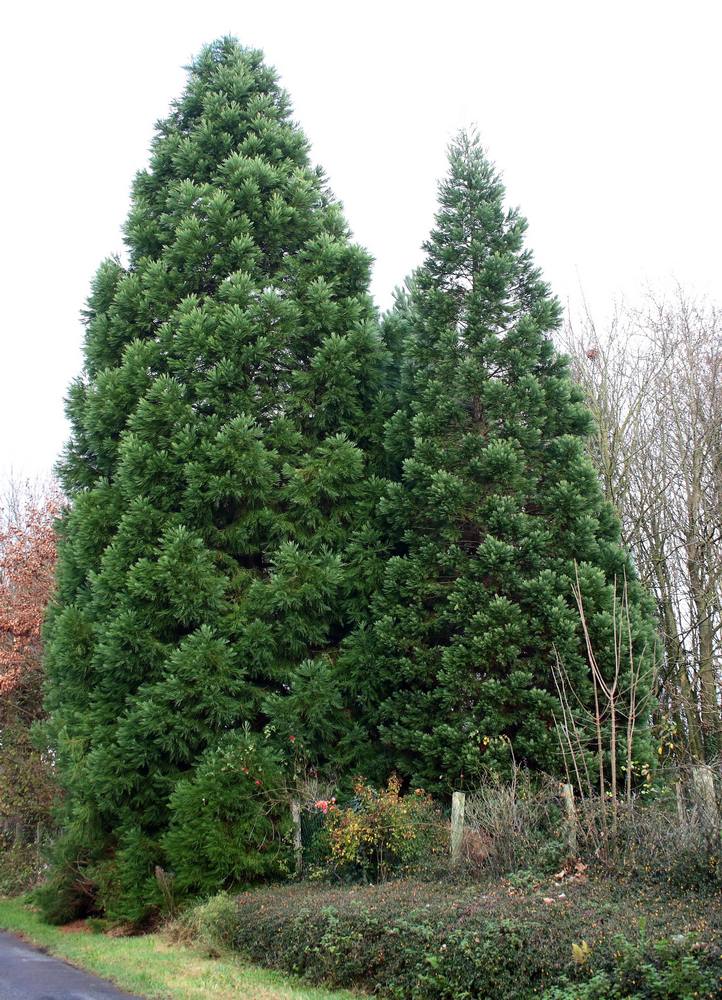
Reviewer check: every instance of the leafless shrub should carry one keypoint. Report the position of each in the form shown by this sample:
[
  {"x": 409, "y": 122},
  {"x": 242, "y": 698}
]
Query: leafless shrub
[
  {"x": 589, "y": 734},
  {"x": 166, "y": 884},
  {"x": 511, "y": 824},
  {"x": 669, "y": 834}
]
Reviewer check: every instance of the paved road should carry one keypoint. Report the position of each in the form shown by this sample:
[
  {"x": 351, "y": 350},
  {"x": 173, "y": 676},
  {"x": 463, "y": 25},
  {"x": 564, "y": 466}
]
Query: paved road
[{"x": 28, "y": 974}]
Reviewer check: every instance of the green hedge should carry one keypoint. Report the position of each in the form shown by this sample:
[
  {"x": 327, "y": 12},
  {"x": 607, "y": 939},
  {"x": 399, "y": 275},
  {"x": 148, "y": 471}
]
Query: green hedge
[{"x": 432, "y": 942}]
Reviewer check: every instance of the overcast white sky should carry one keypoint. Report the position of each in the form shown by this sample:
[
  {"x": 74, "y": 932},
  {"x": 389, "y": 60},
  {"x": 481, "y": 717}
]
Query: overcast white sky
[{"x": 603, "y": 117}]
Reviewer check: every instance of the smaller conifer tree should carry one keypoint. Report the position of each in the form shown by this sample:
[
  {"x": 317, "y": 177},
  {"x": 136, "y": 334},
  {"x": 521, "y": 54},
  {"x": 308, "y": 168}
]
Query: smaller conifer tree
[{"x": 495, "y": 510}]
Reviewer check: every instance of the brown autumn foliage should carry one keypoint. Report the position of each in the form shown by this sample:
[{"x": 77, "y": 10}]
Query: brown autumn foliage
[{"x": 27, "y": 566}]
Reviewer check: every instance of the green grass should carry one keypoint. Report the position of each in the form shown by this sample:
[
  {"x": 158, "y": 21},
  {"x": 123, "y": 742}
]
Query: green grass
[{"x": 153, "y": 967}]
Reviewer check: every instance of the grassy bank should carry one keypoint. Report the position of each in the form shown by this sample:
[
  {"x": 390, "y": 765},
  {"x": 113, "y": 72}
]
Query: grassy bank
[{"x": 153, "y": 967}]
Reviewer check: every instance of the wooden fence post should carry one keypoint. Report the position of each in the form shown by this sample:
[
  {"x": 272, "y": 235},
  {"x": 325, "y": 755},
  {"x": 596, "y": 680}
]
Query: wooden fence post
[
  {"x": 297, "y": 842},
  {"x": 571, "y": 818},
  {"x": 458, "y": 800},
  {"x": 705, "y": 797},
  {"x": 679, "y": 794}
]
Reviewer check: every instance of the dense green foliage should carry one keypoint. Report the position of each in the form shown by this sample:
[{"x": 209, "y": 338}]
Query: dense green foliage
[
  {"x": 224, "y": 434},
  {"x": 494, "y": 505},
  {"x": 230, "y": 819},
  {"x": 410, "y": 939},
  {"x": 671, "y": 971}
]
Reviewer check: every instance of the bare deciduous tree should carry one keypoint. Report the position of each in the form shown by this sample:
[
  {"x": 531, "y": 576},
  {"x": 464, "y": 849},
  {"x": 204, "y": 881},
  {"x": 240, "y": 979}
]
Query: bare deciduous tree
[{"x": 653, "y": 380}]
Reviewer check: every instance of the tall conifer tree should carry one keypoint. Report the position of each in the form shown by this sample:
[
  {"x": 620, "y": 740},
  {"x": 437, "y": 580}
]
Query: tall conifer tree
[
  {"x": 224, "y": 430},
  {"x": 494, "y": 504}
]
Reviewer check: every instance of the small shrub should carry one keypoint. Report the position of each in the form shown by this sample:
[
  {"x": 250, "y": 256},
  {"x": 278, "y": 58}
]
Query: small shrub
[
  {"x": 230, "y": 821},
  {"x": 519, "y": 825},
  {"x": 650, "y": 839},
  {"x": 21, "y": 868},
  {"x": 381, "y": 833},
  {"x": 210, "y": 924},
  {"x": 512, "y": 825}
]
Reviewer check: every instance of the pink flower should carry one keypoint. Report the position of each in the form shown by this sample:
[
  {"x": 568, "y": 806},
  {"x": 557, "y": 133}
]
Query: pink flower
[{"x": 322, "y": 804}]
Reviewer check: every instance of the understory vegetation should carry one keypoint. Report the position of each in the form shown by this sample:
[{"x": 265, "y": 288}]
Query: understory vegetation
[
  {"x": 537, "y": 904},
  {"x": 22, "y": 866},
  {"x": 382, "y": 908},
  {"x": 525, "y": 936}
]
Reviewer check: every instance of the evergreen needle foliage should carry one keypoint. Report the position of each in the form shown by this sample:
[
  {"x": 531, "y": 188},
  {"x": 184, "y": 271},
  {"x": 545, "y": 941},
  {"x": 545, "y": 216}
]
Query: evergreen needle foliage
[
  {"x": 225, "y": 430},
  {"x": 493, "y": 504}
]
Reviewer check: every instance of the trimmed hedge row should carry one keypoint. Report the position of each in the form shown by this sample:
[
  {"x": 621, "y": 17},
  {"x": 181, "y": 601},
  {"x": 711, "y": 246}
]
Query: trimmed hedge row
[{"x": 433, "y": 942}]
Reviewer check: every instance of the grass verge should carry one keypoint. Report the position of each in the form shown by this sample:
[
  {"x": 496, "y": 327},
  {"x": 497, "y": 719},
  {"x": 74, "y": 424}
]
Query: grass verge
[{"x": 153, "y": 967}]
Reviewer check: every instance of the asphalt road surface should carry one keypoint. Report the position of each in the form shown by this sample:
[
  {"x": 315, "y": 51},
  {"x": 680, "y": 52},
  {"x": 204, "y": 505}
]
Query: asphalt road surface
[{"x": 28, "y": 974}]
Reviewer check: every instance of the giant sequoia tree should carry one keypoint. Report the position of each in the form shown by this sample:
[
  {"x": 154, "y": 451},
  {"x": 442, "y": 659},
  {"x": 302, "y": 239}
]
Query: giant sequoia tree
[
  {"x": 219, "y": 470},
  {"x": 494, "y": 504}
]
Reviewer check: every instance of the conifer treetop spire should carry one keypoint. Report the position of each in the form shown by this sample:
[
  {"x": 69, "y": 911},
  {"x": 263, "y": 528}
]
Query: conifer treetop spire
[{"x": 475, "y": 254}]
